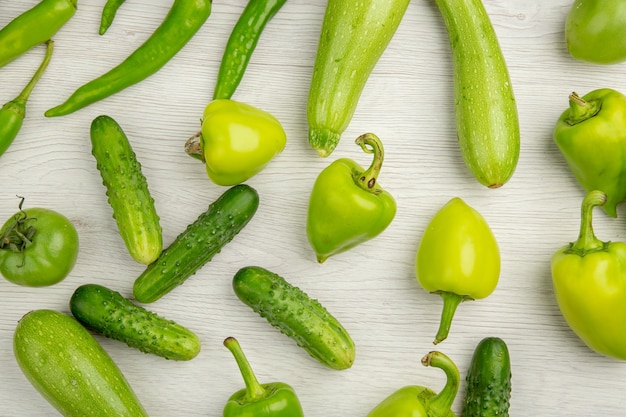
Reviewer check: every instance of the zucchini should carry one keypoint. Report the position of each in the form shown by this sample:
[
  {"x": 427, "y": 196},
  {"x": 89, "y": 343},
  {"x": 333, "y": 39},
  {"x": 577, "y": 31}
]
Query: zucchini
[
  {"x": 70, "y": 369},
  {"x": 353, "y": 37},
  {"x": 296, "y": 315},
  {"x": 488, "y": 389},
  {"x": 108, "y": 313},
  {"x": 198, "y": 243},
  {"x": 127, "y": 190},
  {"x": 487, "y": 123}
]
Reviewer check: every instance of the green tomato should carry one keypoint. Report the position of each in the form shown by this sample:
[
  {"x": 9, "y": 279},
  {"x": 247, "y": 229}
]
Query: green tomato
[
  {"x": 38, "y": 247},
  {"x": 237, "y": 141},
  {"x": 595, "y": 31}
]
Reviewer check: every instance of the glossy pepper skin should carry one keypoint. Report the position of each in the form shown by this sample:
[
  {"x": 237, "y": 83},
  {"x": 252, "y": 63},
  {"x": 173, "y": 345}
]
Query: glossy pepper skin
[
  {"x": 12, "y": 113},
  {"x": 595, "y": 31},
  {"x": 275, "y": 399},
  {"x": 347, "y": 205},
  {"x": 589, "y": 281},
  {"x": 458, "y": 258},
  {"x": 418, "y": 401},
  {"x": 236, "y": 142},
  {"x": 591, "y": 136}
]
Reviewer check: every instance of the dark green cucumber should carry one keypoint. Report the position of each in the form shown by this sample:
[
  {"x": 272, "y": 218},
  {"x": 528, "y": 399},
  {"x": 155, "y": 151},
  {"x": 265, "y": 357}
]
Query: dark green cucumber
[
  {"x": 488, "y": 390},
  {"x": 70, "y": 369},
  {"x": 200, "y": 241},
  {"x": 127, "y": 190},
  {"x": 107, "y": 312},
  {"x": 296, "y": 315}
]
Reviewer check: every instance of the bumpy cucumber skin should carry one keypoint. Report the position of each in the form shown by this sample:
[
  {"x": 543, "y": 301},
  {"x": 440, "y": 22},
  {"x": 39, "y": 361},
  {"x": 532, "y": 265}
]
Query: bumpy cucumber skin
[
  {"x": 486, "y": 112},
  {"x": 353, "y": 37},
  {"x": 197, "y": 245},
  {"x": 70, "y": 369},
  {"x": 109, "y": 313},
  {"x": 296, "y": 315},
  {"x": 488, "y": 390},
  {"x": 127, "y": 190}
]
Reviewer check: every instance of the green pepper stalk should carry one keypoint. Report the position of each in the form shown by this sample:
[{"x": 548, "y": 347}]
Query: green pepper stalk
[
  {"x": 591, "y": 136},
  {"x": 458, "y": 258},
  {"x": 589, "y": 285},
  {"x": 347, "y": 205},
  {"x": 13, "y": 112},
  {"x": 418, "y": 401},
  {"x": 275, "y": 399}
]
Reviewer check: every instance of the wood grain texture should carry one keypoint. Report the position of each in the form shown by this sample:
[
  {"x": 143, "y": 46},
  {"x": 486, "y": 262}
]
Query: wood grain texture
[{"x": 372, "y": 290}]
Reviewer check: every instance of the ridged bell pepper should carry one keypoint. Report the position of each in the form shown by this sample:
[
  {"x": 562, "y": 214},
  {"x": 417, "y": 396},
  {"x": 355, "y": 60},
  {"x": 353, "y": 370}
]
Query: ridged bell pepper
[
  {"x": 458, "y": 258},
  {"x": 347, "y": 205},
  {"x": 589, "y": 280},
  {"x": 236, "y": 142},
  {"x": 591, "y": 135},
  {"x": 418, "y": 401},
  {"x": 275, "y": 399}
]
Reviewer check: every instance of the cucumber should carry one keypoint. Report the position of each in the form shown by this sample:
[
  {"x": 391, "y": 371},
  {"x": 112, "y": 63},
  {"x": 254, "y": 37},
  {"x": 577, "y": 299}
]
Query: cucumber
[
  {"x": 127, "y": 190},
  {"x": 198, "y": 243},
  {"x": 488, "y": 389},
  {"x": 296, "y": 315},
  {"x": 70, "y": 369},
  {"x": 487, "y": 123},
  {"x": 107, "y": 312},
  {"x": 353, "y": 37}
]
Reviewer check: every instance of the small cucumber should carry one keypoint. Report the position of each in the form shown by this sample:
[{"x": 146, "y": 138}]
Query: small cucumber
[
  {"x": 353, "y": 37},
  {"x": 486, "y": 113},
  {"x": 127, "y": 190},
  {"x": 200, "y": 241},
  {"x": 107, "y": 312},
  {"x": 488, "y": 380},
  {"x": 70, "y": 369},
  {"x": 296, "y": 315}
]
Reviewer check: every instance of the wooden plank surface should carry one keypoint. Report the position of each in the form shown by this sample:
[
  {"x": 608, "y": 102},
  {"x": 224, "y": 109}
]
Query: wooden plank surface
[{"x": 372, "y": 289}]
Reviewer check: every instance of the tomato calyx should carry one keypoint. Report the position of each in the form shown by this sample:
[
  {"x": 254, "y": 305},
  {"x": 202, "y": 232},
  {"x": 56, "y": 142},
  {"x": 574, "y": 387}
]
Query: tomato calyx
[{"x": 19, "y": 235}]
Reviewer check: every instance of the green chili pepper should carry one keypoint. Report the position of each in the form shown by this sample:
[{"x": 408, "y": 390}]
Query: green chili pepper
[
  {"x": 236, "y": 142},
  {"x": 458, "y": 258},
  {"x": 241, "y": 44},
  {"x": 34, "y": 26},
  {"x": 589, "y": 285},
  {"x": 183, "y": 20},
  {"x": 591, "y": 136},
  {"x": 347, "y": 205},
  {"x": 275, "y": 399},
  {"x": 12, "y": 113},
  {"x": 108, "y": 14},
  {"x": 418, "y": 401}
]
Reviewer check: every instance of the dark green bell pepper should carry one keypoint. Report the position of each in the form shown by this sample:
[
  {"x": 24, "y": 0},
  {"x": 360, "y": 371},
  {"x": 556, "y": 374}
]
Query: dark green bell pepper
[
  {"x": 274, "y": 399},
  {"x": 418, "y": 401}
]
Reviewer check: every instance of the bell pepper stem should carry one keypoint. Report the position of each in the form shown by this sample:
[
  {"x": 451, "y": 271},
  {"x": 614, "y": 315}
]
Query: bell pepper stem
[
  {"x": 368, "y": 180},
  {"x": 254, "y": 390},
  {"x": 440, "y": 404},
  {"x": 193, "y": 146},
  {"x": 18, "y": 104},
  {"x": 450, "y": 302},
  {"x": 587, "y": 240},
  {"x": 580, "y": 109}
]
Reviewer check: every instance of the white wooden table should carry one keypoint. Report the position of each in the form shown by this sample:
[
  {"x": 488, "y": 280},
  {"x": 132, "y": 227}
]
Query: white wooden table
[{"x": 372, "y": 289}]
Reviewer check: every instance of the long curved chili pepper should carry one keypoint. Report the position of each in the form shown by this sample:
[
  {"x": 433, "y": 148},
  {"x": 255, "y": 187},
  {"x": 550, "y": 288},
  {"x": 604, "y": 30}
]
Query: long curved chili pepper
[
  {"x": 183, "y": 20},
  {"x": 108, "y": 14},
  {"x": 13, "y": 112},
  {"x": 33, "y": 27},
  {"x": 241, "y": 44}
]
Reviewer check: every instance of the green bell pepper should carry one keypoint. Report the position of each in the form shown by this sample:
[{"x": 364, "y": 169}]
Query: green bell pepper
[
  {"x": 418, "y": 401},
  {"x": 589, "y": 285},
  {"x": 236, "y": 142},
  {"x": 347, "y": 205},
  {"x": 458, "y": 258},
  {"x": 275, "y": 399},
  {"x": 591, "y": 136}
]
